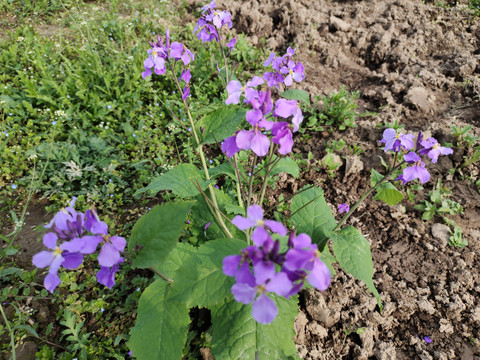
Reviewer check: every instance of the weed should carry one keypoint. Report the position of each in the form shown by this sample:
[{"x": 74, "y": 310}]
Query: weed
[{"x": 338, "y": 111}]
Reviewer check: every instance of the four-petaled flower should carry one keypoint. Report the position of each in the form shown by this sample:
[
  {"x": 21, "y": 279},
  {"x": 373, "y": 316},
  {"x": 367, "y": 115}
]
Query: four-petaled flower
[
  {"x": 433, "y": 149},
  {"x": 395, "y": 141}
]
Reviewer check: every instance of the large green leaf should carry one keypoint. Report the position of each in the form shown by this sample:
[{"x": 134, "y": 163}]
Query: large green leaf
[
  {"x": 221, "y": 123},
  {"x": 288, "y": 165},
  {"x": 296, "y": 94},
  {"x": 236, "y": 335},
  {"x": 161, "y": 327},
  {"x": 158, "y": 232},
  {"x": 386, "y": 192},
  {"x": 180, "y": 180},
  {"x": 353, "y": 253},
  {"x": 200, "y": 281},
  {"x": 311, "y": 215}
]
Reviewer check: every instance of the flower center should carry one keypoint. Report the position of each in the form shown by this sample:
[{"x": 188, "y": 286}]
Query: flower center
[
  {"x": 57, "y": 251},
  {"x": 260, "y": 289},
  {"x": 435, "y": 146},
  {"x": 154, "y": 53},
  {"x": 260, "y": 222},
  {"x": 291, "y": 72}
]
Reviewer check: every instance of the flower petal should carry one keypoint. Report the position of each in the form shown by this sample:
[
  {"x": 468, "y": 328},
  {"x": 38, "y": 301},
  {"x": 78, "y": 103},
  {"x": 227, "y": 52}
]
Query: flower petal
[
  {"x": 109, "y": 256},
  {"x": 243, "y": 293},
  {"x": 51, "y": 282},
  {"x": 264, "y": 310},
  {"x": 43, "y": 259}
]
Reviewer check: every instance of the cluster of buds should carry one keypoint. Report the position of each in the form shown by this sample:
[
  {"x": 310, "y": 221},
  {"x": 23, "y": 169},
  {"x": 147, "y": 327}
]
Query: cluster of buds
[
  {"x": 412, "y": 152},
  {"x": 81, "y": 234},
  {"x": 255, "y": 270}
]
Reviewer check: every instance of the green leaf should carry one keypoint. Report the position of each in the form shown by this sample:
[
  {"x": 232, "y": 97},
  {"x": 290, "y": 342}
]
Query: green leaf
[
  {"x": 353, "y": 253},
  {"x": 158, "y": 232},
  {"x": 180, "y": 180},
  {"x": 389, "y": 194},
  {"x": 223, "y": 169},
  {"x": 161, "y": 327},
  {"x": 221, "y": 123},
  {"x": 311, "y": 215},
  {"x": 288, "y": 165},
  {"x": 386, "y": 192},
  {"x": 327, "y": 257},
  {"x": 200, "y": 281},
  {"x": 27, "y": 328},
  {"x": 296, "y": 94},
  {"x": 234, "y": 209},
  {"x": 236, "y": 335}
]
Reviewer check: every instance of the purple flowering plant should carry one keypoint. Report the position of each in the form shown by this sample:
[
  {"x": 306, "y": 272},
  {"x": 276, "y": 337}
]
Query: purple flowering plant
[{"x": 248, "y": 263}]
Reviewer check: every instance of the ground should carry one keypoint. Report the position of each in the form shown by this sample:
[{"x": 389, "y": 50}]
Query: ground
[{"x": 418, "y": 64}]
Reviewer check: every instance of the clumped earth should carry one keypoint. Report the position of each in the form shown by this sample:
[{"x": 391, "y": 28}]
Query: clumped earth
[{"x": 418, "y": 64}]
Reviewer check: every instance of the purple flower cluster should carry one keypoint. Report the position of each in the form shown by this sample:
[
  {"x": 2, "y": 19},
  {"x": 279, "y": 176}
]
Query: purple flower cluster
[
  {"x": 255, "y": 270},
  {"x": 284, "y": 69},
  {"x": 161, "y": 54},
  {"x": 261, "y": 118},
  {"x": 210, "y": 22},
  {"x": 412, "y": 152},
  {"x": 80, "y": 235}
]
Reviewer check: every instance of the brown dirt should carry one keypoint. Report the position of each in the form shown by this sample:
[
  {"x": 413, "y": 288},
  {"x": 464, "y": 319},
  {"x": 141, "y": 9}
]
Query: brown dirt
[{"x": 416, "y": 63}]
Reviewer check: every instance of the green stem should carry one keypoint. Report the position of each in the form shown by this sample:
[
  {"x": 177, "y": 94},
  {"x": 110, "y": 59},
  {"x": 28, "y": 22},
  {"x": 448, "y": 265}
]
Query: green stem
[
  {"x": 12, "y": 337},
  {"x": 267, "y": 172},
  {"x": 365, "y": 194},
  {"x": 250, "y": 183},
  {"x": 239, "y": 190},
  {"x": 202, "y": 158},
  {"x": 156, "y": 271}
]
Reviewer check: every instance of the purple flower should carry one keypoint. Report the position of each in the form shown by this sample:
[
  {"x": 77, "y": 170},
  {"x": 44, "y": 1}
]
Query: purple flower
[
  {"x": 231, "y": 44},
  {"x": 282, "y": 135},
  {"x": 229, "y": 146},
  {"x": 293, "y": 72},
  {"x": 156, "y": 60},
  {"x": 433, "y": 149},
  {"x": 343, "y": 208},
  {"x": 427, "y": 339},
  {"x": 179, "y": 51},
  {"x": 185, "y": 92},
  {"x": 186, "y": 76},
  {"x": 235, "y": 90},
  {"x": 207, "y": 225},
  {"x": 417, "y": 171},
  {"x": 266, "y": 280},
  {"x": 106, "y": 275},
  {"x": 395, "y": 141},
  {"x": 255, "y": 219},
  {"x": 305, "y": 256},
  {"x": 54, "y": 259},
  {"x": 253, "y": 140},
  {"x": 286, "y": 108}
]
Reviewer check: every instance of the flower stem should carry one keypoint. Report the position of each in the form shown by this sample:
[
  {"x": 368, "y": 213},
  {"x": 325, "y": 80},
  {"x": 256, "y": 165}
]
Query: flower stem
[
  {"x": 156, "y": 271},
  {"x": 202, "y": 156}
]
